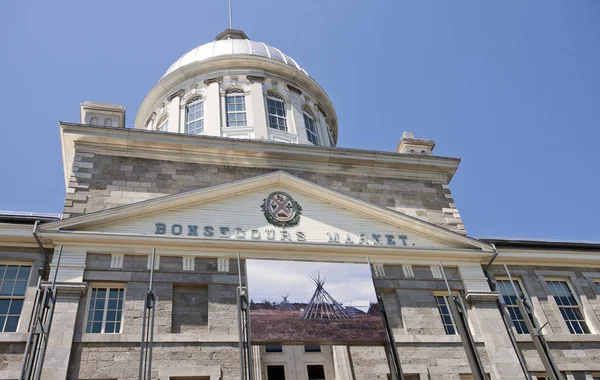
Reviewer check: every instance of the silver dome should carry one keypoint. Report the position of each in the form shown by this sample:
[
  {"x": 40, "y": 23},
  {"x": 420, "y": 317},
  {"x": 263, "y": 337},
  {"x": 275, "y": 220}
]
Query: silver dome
[{"x": 232, "y": 46}]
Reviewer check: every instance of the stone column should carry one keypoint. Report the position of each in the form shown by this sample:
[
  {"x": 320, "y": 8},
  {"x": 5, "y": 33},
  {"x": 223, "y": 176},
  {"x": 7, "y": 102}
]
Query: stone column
[
  {"x": 488, "y": 320},
  {"x": 256, "y": 104},
  {"x": 212, "y": 107},
  {"x": 298, "y": 121},
  {"x": 174, "y": 112},
  {"x": 60, "y": 340}
]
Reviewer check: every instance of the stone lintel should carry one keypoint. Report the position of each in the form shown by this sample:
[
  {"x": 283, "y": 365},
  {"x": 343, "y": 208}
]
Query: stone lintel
[{"x": 475, "y": 296}]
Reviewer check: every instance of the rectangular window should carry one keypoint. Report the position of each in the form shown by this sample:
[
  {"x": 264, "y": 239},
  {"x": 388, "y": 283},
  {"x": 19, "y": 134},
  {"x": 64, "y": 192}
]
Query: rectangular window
[
  {"x": 507, "y": 292},
  {"x": 275, "y": 372},
  {"x": 568, "y": 306},
  {"x": 105, "y": 311},
  {"x": 272, "y": 348},
  {"x": 311, "y": 129},
  {"x": 13, "y": 285},
  {"x": 444, "y": 309},
  {"x": 315, "y": 372},
  {"x": 235, "y": 108},
  {"x": 312, "y": 348}
]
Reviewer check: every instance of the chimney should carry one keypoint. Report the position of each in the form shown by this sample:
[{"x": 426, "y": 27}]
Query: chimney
[
  {"x": 102, "y": 114},
  {"x": 409, "y": 144}
]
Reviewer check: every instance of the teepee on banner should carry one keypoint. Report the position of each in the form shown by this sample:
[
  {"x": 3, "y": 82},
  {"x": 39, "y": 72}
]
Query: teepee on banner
[{"x": 313, "y": 311}]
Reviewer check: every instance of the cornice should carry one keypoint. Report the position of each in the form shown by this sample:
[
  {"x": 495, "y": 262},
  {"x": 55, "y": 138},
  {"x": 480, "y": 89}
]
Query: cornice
[{"x": 249, "y": 153}]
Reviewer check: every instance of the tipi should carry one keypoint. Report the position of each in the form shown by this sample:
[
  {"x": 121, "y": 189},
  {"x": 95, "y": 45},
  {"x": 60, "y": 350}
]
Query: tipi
[
  {"x": 285, "y": 305},
  {"x": 322, "y": 305}
]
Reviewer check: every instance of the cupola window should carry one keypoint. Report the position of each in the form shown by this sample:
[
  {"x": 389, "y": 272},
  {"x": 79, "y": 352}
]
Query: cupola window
[
  {"x": 107, "y": 122},
  {"x": 163, "y": 126},
  {"x": 235, "y": 108},
  {"x": 94, "y": 121},
  {"x": 194, "y": 116},
  {"x": 311, "y": 129},
  {"x": 276, "y": 112}
]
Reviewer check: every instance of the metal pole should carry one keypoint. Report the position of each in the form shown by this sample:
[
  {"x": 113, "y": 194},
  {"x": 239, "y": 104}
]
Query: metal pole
[{"x": 230, "y": 16}]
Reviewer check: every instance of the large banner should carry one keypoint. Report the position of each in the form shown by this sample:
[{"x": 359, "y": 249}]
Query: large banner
[{"x": 308, "y": 302}]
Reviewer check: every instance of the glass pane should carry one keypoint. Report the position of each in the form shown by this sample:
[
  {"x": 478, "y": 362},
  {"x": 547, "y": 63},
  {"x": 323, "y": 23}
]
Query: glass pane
[
  {"x": 11, "y": 324},
  {"x": 99, "y": 304},
  {"x": 20, "y": 288},
  {"x": 4, "y": 306},
  {"x": 88, "y": 328},
  {"x": 315, "y": 372},
  {"x": 2, "y": 269},
  {"x": 98, "y": 315},
  {"x": 110, "y": 315},
  {"x": 96, "y": 327},
  {"x": 114, "y": 293},
  {"x": 2, "y": 320},
  {"x": 15, "y": 307},
  {"x": 112, "y": 304},
  {"x": 109, "y": 328},
  {"x": 7, "y": 288},
  {"x": 101, "y": 293},
  {"x": 11, "y": 272},
  {"x": 275, "y": 372},
  {"x": 118, "y": 327},
  {"x": 24, "y": 273}
]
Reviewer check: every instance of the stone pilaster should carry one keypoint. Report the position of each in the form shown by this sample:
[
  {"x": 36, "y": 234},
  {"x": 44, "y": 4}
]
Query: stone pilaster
[
  {"x": 341, "y": 363},
  {"x": 259, "y": 113}
]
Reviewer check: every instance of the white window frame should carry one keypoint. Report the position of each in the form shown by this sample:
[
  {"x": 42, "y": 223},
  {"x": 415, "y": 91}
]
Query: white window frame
[
  {"x": 235, "y": 92},
  {"x": 108, "y": 287},
  {"x": 578, "y": 305},
  {"x": 13, "y": 297},
  {"x": 445, "y": 297},
  {"x": 280, "y": 119},
  {"x": 520, "y": 283},
  {"x": 314, "y": 132},
  {"x": 196, "y": 100}
]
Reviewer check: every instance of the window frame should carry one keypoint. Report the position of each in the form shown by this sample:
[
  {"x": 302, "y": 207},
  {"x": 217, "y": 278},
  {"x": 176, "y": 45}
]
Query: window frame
[
  {"x": 196, "y": 100},
  {"x": 267, "y": 365},
  {"x": 274, "y": 352},
  {"x": 445, "y": 295},
  {"x": 273, "y": 96},
  {"x": 12, "y": 296},
  {"x": 578, "y": 306},
  {"x": 231, "y": 93},
  {"x": 316, "y": 364},
  {"x": 309, "y": 132},
  {"x": 108, "y": 286},
  {"x": 520, "y": 283}
]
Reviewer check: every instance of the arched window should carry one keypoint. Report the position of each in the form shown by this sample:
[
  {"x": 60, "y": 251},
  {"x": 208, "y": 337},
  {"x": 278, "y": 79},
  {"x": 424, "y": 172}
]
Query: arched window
[
  {"x": 163, "y": 125},
  {"x": 276, "y": 112},
  {"x": 94, "y": 121},
  {"x": 194, "y": 116},
  {"x": 311, "y": 128},
  {"x": 107, "y": 122},
  {"x": 235, "y": 108}
]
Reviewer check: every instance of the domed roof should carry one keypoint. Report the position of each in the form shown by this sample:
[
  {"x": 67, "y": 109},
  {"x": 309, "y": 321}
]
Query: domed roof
[{"x": 232, "y": 42}]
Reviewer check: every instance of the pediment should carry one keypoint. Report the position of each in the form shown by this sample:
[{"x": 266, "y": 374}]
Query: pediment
[{"x": 233, "y": 211}]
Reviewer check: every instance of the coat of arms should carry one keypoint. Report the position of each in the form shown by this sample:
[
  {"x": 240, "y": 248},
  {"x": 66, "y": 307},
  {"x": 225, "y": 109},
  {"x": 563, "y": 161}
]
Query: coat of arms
[{"x": 281, "y": 209}]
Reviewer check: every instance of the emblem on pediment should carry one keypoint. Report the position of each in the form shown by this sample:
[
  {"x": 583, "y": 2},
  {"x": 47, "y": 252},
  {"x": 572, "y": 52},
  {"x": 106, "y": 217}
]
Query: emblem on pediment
[{"x": 281, "y": 210}]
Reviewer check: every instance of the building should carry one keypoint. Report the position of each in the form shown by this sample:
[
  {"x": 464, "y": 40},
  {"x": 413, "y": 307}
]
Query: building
[{"x": 230, "y": 123}]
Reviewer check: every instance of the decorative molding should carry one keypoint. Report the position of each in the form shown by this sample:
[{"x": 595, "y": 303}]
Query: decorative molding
[
  {"x": 156, "y": 262},
  {"x": 408, "y": 271},
  {"x": 320, "y": 109},
  {"x": 213, "y": 80},
  {"x": 189, "y": 263},
  {"x": 175, "y": 94},
  {"x": 254, "y": 78},
  {"x": 223, "y": 265},
  {"x": 378, "y": 270},
  {"x": 291, "y": 88},
  {"x": 116, "y": 260}
]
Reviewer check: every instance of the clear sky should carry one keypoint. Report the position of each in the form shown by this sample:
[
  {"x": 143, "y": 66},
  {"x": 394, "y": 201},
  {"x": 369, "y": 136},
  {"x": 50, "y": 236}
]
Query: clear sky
[{"x": 511, "y": 87}]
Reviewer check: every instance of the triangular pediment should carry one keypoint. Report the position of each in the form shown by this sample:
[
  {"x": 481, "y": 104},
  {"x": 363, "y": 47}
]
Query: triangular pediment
[{"x": 233, "y": 211}]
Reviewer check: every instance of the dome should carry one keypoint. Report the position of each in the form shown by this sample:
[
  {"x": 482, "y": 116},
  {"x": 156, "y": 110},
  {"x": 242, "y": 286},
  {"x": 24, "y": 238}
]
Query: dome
[{"x": 232, "y": 42}]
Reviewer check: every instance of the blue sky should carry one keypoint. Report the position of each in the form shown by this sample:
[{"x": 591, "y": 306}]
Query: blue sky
[{"x": 511, "y": 87}]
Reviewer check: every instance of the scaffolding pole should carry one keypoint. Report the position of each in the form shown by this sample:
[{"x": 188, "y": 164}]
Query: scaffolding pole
[{"x": 147, "y": 341}]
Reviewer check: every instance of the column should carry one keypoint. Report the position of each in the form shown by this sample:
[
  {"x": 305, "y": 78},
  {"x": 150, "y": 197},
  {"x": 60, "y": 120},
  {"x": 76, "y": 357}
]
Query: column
[
  {"x": 484, "y": 312},
  {"x": 174, "y": 111},
  {"x": 212, "y": 107},
  {"x": 256, "y": 103}
]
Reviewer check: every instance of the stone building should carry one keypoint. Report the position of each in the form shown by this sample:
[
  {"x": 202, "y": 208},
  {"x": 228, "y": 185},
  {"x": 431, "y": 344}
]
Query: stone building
[{"x": 229, "y": 123}]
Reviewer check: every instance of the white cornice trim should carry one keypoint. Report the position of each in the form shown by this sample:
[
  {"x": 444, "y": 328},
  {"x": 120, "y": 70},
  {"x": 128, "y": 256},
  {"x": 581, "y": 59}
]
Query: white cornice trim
[
  {"x": 276, "y": 178},
  {"x": 248, "y": 153}
]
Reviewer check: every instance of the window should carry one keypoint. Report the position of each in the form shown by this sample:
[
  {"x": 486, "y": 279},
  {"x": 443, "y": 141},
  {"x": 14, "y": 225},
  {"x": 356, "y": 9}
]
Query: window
[
  {"x": 235, "y": 108},
  {"x": 276, "y": 112},
  {"x": 94, "y": 121},
  {"x": 194, "y": 116},
  {"x": 13, "y": 285},
  {"x": 568, "y": 306},
  {"x": 510, "y": 300},
  {"x": 271, "y": 348},
  {"x": 105, "y": 311},
  {"x": 312, "y": 348},
  {"x": 163, "y": 126},
  {"x": 107, "y": 122},
  {"x": 315, "y": 372},
  {"x": 311, "y": 129},
  {"x": 275, "y": 372},
  {"x": 444, "y": 309}
]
